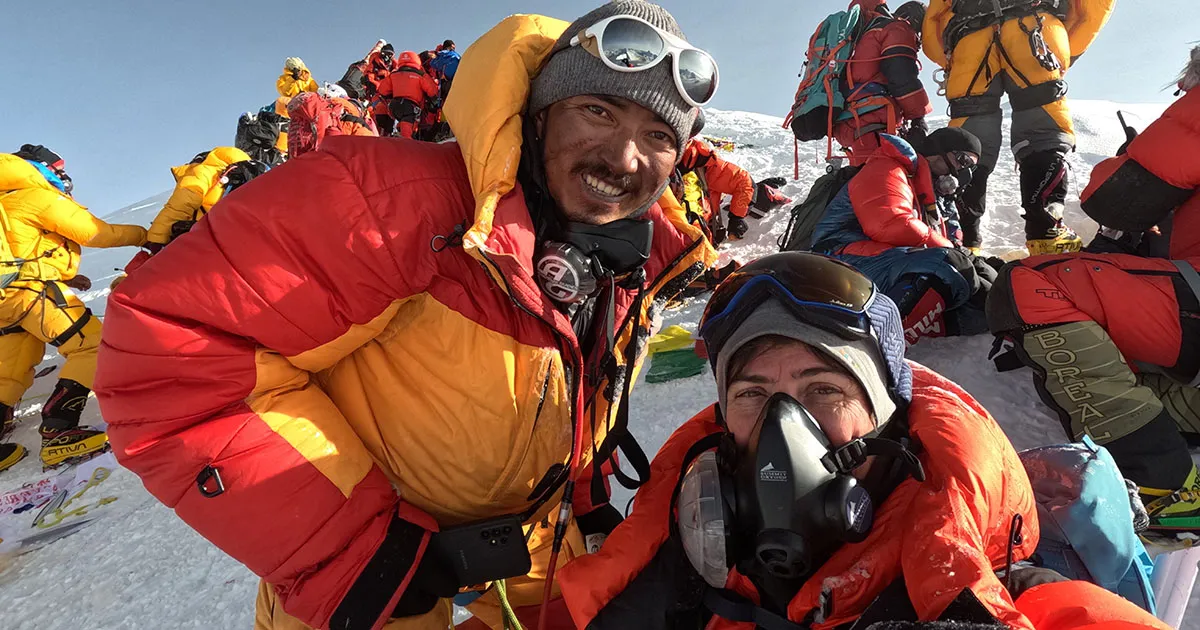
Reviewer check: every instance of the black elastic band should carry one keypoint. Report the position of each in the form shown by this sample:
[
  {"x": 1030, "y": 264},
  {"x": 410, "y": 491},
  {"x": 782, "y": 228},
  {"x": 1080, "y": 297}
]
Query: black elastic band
[
  {"x": 729, "y": 605},
  {"x": 371, "y": 594},
  {"x": 73, "y": 330}
]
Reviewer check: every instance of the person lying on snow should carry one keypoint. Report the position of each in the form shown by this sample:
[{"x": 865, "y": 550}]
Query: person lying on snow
[
  {"x": 44, "y": 229},
  {"x": 1113, "y": 333},
  {"x": 895, "y": 222},
  {"x": 382, "y": 350},
  {"x": 832, "y": 482}
]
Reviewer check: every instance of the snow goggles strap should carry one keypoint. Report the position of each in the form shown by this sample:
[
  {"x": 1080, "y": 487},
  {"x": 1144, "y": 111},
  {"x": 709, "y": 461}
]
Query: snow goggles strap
[
  {"x": 630, "y": 44},
  {"x": 820, "y": 291}
]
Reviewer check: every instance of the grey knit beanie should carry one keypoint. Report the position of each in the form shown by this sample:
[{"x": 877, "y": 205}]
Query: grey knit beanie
[{"x": 573, "y": 71}]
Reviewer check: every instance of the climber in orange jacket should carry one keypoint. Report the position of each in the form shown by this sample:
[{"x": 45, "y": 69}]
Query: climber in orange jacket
[
  {"x": 703, "y": 178},
  {"x": 1022, "y": 48},
  {"x": 1113, "y": 333},
  {"x": 408, "y": 92},
  {"x": 832, "y": 480},
  {"x": 882, "y": 84},
  {"x": 363, "y": 361}
]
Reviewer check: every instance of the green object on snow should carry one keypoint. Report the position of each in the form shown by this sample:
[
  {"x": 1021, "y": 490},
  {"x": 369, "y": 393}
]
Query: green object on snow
[{"x": 669, "y": 365}]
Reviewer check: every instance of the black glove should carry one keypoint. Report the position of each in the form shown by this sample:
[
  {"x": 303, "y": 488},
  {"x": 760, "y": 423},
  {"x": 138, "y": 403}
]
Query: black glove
[
  {"x": 917, "y": 130},
  {"x": 737, "y": 226},
  {"x": 432, "y": 581},
  {"x": 1022, "y": 579},
  {"x": 296, "y": 75},
  {"x": 179, "y": 228}
]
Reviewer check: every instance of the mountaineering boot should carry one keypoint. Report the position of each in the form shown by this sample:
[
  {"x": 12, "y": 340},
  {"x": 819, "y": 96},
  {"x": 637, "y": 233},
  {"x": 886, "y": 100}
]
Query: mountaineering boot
[
  {"x": 10, "y": 454},
  {"x": 737, "y": 227},
  {"x": 1060, "y": 239},
  {"x": 8, "y": 423},
  {"x": 1174, "y": 510},
  {"x": 63, "y": 440},
  {"x": 1044, "y": 178}
]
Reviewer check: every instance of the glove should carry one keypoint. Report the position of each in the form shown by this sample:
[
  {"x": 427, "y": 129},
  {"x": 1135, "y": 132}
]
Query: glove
[
  {"x": 1022, "y": 579},
  {"x": 737, "y": 226},
  {"x": 79, "y": 283},
  {"x": 917, "y": 130},
  {"x": 774, "y": 182},
  {"x": 179, "y": 228},
  {"x": 432, "y": 581}
]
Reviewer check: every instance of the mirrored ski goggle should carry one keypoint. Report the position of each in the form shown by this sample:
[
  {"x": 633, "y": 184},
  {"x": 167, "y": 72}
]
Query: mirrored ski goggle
[
  {"x": 820, "y": 291},
  {"x": 964, "y": 160},
  {"x": 629, "y": 44}
]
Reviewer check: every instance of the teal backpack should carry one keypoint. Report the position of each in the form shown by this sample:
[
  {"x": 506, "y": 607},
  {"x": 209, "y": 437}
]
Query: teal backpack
[{"x": 819, "y": 99}]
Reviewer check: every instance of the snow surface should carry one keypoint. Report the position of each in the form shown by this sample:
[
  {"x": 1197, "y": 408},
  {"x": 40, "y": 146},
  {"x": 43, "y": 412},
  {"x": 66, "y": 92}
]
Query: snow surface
[{"x": 138, "y": 566}]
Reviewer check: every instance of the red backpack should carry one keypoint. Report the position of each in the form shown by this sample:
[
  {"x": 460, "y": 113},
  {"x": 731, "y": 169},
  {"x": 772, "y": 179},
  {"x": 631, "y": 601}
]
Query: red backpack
[{"x": 312, "y": 119}]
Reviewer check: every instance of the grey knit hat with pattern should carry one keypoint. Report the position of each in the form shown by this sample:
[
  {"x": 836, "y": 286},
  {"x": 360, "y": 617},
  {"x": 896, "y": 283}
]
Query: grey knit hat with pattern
[{"x": 573, "y": 71}]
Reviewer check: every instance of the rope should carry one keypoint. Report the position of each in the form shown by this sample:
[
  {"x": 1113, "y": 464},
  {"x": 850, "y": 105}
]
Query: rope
[{"x": 511, "y": 622}]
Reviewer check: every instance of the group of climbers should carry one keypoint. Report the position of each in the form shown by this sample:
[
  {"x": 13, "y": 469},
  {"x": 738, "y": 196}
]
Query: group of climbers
[{"x": 574, "y": 239}]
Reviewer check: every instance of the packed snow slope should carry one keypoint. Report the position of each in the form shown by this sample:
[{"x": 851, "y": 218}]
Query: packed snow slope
[{"x": 141, "y": 567}]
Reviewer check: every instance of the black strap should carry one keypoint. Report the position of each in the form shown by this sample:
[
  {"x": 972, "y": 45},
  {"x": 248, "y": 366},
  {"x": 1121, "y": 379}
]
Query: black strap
[
  {"x": 1005, "y": 361},
  {"x": 56, "y": 294},
  {"x": 849, "y": 456},
  {"x": 73, "y": 330},
  {"x": 12, "y": 330},
  {"x": 371, "y": 594},
  {"x": 706, "y": 443},
  {"x": 729, "y": 605},
  {"x": 978, "y": 105},
  {"x": 1037, "y": 95}
]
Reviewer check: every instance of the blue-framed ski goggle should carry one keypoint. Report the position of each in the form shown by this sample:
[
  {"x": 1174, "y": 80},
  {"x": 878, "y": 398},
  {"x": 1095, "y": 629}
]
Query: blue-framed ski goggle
[{"x": 818, "y": 290}]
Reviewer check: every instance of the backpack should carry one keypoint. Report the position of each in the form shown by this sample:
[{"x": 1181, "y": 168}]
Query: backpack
[
  {"x": 355, "y": 81},
  {"x": 257, "y": 135},
  {"x": 1087, "y": 531},
  {"x": 819, "y": 99},
  {"x": 797, "y": 237}
]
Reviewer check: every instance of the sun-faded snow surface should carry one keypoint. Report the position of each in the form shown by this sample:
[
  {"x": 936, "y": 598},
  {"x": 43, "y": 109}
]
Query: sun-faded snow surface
[{"x": 138, "y": 566}]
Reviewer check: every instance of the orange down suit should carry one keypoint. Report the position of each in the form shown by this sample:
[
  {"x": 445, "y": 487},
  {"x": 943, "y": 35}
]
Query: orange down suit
[
  {"x": 942, "y": 535},
  {"x": 412, "y": 86},
  {"x": 47, "y": 228},
  {"x": 362, "y": 387},
  {"x": 714, "y": 178},
  {"x": 1142, "y": 305}
]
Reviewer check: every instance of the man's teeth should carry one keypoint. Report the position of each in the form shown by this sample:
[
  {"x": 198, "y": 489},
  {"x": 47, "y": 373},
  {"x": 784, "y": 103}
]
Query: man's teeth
[{"x": 603, "y": 188}]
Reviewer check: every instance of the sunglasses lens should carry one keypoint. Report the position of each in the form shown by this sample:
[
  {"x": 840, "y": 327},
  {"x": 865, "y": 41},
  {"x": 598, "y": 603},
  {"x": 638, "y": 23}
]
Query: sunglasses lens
[
  {"x": 698, "y": 74},
  {"x": 632, "y": 44}
]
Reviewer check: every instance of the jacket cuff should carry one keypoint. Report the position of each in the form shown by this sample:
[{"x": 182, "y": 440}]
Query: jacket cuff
[{"x": 369, "y": 602}]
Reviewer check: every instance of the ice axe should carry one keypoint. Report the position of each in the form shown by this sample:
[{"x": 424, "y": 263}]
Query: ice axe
[{"x": 1130, "y": 133}]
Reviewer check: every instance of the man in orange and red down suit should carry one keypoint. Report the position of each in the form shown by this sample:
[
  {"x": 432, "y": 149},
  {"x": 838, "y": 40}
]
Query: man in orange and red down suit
[
  {"x": 332, "y": 392},
  {"x": 882, "y": 81},
  {"x": 894, "y": 222},
  {"x": 1085, "y": 322},
  {"x": 380, "y": 64},
  {"x": 431, "y": 127},
  {"x": 408, "y": 92},
  {"x": 705, "y": 178},
  {"x": 742, "y": 517}
]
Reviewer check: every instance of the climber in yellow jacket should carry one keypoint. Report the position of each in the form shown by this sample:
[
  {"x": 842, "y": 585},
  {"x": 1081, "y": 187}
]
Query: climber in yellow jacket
[
  {"x": 1023, "y": 48},
  {"x": 44, "y": 229},
  {"x": 295, "y": 78},
  {"x": 198, "y": 187}
]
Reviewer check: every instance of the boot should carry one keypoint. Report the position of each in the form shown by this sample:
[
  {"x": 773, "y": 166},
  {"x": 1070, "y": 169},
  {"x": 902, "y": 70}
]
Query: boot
[
  {"x": 1059, "y": 239},
  {"x": 63, "y": 440},
  {"x": 737, "y": 227},
  {"x": 8, "y": 423},
  {"x": 10, "y": 454},
  {"x": 1044, "y": 178},
  {"x": 1174, "y": 510}
]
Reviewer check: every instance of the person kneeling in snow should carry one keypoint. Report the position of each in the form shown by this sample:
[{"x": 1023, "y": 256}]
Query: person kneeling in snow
[
  {"x": 705, "y": 178},
  {"x": 832, "y": 482},
  {"x": 375, "y": 354},
  {"x": 894, "y": 221},
  {"x": 1114, "y": 338}
]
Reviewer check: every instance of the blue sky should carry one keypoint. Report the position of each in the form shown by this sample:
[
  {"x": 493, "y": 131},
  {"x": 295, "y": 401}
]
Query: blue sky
[{"x": 126, "y": 89}]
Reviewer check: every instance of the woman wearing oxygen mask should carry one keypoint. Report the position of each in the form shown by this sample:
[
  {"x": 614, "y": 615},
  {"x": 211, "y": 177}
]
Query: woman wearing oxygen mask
[{"x": 833, "y": 484}]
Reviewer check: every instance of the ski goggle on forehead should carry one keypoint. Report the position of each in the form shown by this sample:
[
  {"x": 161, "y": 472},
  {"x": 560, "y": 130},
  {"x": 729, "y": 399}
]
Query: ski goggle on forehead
[
  {"x": 629, "y": 44},
  {"x": 820, "y": 291}
]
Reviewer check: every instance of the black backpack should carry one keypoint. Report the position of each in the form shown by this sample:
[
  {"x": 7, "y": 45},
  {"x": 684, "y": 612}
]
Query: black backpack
[
  {"x": 797, "y": 237},
  {"x": 257, "y": 135},
  {"x": 355, "y": 82}
]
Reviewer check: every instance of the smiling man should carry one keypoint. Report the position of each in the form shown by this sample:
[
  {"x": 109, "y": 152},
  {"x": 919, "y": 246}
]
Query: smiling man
[{"x": 385, "y": 351}]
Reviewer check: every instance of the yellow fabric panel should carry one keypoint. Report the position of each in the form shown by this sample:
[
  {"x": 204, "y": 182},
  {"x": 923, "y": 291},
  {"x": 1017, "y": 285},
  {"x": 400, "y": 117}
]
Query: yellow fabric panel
[
  {"x": 287, "y": 399},
  {"x": 326, "y": 355},
  {"x": 485, "y": 110},
  {"x": 1084, "y": 21},
  {"x": 44, "y": 320},
  {"x": 937, "y": 16},
  {"x": 693, "y": 195},
  {"x": 19, "y": 355},
  {"x": 197, "y": 189},
  {"x": 463, "y": 435},
  {"x": 41, "y": 220},
  {"x": 269, "y": 615}
]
